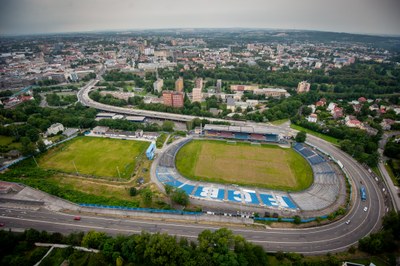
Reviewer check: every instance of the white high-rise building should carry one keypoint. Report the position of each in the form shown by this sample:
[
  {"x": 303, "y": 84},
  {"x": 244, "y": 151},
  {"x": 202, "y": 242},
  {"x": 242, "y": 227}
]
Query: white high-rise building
[
  {"x": 197, "y": 95},
  {"x": 158, "y": 84},
  {"x": 303, "y": 86}
]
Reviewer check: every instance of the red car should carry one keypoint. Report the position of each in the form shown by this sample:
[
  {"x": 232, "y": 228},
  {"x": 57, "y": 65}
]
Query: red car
[
  {"x": 77, "y": 218},
  {"x": 2, "y": 224}
]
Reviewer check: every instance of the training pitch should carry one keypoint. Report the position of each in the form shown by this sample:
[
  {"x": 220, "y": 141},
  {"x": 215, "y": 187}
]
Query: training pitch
[
  {"x": 99, "y": 157},
  {"x": 267, "y": 166}
]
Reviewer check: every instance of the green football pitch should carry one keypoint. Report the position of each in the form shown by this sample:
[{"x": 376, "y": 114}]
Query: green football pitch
[
  {"x": 267, "y": 166},
  {"x": 98, "y": 157}
]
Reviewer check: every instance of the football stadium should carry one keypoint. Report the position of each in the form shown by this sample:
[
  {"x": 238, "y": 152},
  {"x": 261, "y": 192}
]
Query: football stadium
[{"x": 239, "y": 165}]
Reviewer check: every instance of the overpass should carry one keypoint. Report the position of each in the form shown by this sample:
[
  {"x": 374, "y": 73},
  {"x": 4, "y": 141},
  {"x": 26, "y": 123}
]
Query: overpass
[{"x": 83, "y": 97}]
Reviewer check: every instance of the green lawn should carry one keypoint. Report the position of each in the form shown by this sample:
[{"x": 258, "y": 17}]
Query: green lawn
[
  {"x": 101, "y": 157},
  {"x": 5, "y": 140},
  {"x": 160, "y": 140},
  {"x": 279, "y": 122},
  {"x": 391, "y": 174},
  {"x": 267, "y": 166},
  {"x": 8, "y": 141},
  {"x": 317, "y": 134},
  {"x": 375, "y": 169}
]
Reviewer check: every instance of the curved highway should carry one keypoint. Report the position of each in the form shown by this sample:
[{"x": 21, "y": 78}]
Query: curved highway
[{"x": 334, "y": 237}]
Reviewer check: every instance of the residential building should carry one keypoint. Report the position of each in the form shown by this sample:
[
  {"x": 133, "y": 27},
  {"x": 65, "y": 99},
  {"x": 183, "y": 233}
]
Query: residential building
[
  {"x": 230, "y": 104},
  {"x": 354, "y": 123},
  {"x": 337, "y": 112},
  {"x": 197, "y": 95},
  {"x": 179, "y": 85},
  {"x": 54, "y": 129},
  {"x": 219, "y": 85},
  {"x": 331, "y": 107},
  {"x": 272, "y": 92},
  {"x": 312, "y": 118},
  {"x": 99, "y": 130},
  {"x": 174, "y": 99},
  {"x": 243, "y": 87},
  {"x": 387, "y": 124},
  {"x": 148, "y": 51},
  {"x": 321, "y": 102},
  {"x": 118, "y": 94},
  {"x": 158, "y": 84},
  {"x": 303, "y": 86},
  {"x": 362, "y": 100},
  {"x": 199, "y": 83}
]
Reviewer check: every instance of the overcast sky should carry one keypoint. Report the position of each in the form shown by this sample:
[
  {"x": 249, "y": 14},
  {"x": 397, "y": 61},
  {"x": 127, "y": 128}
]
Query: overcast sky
[{"x": 44, "y": 16}]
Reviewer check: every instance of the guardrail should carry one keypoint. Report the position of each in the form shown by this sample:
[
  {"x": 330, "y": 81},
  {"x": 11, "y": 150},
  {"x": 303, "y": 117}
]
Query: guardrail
[
  {"x": 289, "y": 220},
  {"x": 150, "y": 210}
]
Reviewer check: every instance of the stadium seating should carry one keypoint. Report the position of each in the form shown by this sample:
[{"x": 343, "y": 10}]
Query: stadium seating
[
  {"x": 315, "y": 159},
  {"x": 270, "y": 137},
  {"x": 243, "y": 136}
]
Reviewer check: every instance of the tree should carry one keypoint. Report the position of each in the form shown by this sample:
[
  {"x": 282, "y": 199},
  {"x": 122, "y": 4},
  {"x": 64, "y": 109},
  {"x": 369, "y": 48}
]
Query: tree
[
  {"x": 168, "y": 189},
  {"x": 28, "y": 147},
  {"x": 93, "y": 239},
  {"x": 301, "y": 136},
  {"x": 168, "y": 126},
  {"x": 147, "y": 196},
  {"x": 41, "y": 146},
  {"x": 179, "y": 196},
  {"x": 297, "y": 220},
  {"x": 133, "y": 191}
]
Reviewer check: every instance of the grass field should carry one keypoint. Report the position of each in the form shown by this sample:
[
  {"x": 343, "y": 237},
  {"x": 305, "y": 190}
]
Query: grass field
[
  {"x": 267, "y": 166},
  {"x": 8, "y": 141},
  {"x": 317, "y": 134},
  {"x": 95, "y": 156}
]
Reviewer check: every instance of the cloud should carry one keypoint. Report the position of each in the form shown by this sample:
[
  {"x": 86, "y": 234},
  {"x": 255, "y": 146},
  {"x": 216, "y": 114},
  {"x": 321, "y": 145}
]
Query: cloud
[{"x": 35, "y": 16}]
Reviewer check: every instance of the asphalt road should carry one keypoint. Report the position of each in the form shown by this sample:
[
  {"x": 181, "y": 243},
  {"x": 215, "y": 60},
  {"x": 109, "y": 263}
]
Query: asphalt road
[
  {"x": 329, "y": 238},
  {"x": 334, "y": 237}
]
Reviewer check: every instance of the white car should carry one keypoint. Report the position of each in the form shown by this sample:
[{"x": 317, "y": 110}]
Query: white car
[
  {"x": 365, "y": 209},
  {"x": 348, "y": 221}
]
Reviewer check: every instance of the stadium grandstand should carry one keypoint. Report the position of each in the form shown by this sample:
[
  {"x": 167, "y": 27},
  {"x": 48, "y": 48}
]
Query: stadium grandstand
[
  {"x": 323, "y": 193},
  {"x": 261, "y": 134},
  {"x": 325, "y": 189}
]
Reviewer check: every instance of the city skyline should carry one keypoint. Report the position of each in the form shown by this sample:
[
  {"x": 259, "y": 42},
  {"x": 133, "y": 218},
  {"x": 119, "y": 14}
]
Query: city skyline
[{"x": 45, "y": 16}]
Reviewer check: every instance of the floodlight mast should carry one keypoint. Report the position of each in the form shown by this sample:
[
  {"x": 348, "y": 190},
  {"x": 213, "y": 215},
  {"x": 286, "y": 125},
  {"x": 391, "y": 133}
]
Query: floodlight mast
[
  {"x": 119, "y": 174},
  {"x": 76, "y": 170}
]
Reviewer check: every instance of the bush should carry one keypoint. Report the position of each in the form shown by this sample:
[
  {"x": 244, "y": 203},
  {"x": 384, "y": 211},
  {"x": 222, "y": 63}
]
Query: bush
[
  {"x": 179, "y": 196},
  {"x": 133, "y": 191}
]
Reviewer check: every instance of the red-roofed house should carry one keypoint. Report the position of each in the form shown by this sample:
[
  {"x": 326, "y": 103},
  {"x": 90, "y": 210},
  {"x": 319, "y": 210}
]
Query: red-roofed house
[
  {"x": 362, "y": 100},
  {"x": 337, "y": 112},
  {"x": 354, "y": 123},
  {"x": 387, "y": 124},
  {"x": 312, "y": 118}
]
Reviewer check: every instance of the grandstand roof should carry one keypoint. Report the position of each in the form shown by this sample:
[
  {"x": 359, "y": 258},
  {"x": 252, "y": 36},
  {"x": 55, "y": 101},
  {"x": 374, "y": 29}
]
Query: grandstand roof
[
  {"x": 135, "y": 118},
  {"x": 244, "y": 129}
]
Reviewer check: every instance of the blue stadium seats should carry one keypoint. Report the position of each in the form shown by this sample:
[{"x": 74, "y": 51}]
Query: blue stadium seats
[{"x": 187, "y": 188}]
